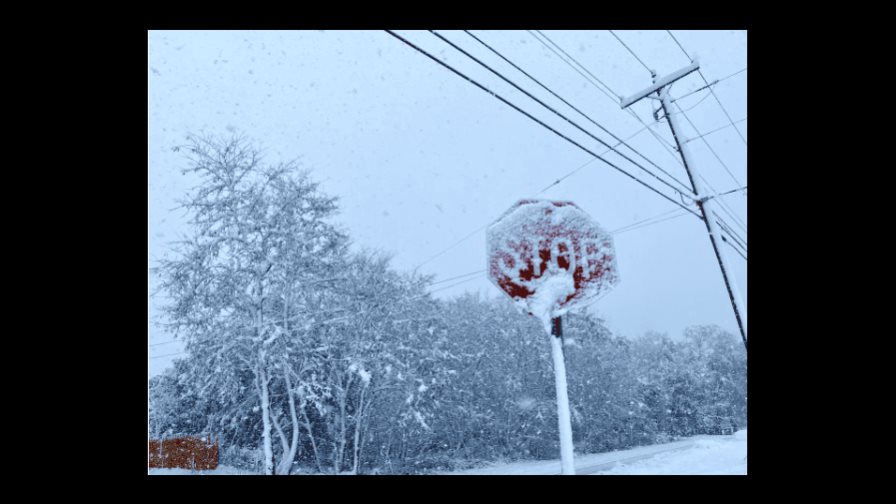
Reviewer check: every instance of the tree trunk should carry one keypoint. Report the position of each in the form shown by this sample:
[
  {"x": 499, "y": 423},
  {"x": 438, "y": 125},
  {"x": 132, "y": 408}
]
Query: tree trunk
[
  {"x": 266, "y": 420},
  {"x": 320, "y": 468},
  {"x": 340, "y": 451},
  {"x": 283, "y": 444},
  {"x": 288, "y": 458},
  {"x": 358, "y": 420}
]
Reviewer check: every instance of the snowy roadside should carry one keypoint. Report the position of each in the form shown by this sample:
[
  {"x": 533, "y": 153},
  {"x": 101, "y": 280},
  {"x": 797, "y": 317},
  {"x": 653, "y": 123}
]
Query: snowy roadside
[
  {"x": 695, "y": 455},
  {"x": 713, "y": 456},
  {"x": 221, "y": 470}
]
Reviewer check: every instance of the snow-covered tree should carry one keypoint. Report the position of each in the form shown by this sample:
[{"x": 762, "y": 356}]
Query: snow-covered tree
[
  {"x": 718, "y": 360},
  {"x": 260, "y": 245}
]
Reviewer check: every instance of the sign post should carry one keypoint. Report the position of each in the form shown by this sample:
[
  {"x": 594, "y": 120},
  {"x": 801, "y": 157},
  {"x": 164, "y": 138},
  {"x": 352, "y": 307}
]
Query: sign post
[
  {"x": 564, "y": 423},
  {"x": 550, "y": 256}
]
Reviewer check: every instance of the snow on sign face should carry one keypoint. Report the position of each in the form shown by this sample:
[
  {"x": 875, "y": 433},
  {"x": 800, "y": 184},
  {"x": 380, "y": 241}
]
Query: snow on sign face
[{"x": 549, "y": 256}]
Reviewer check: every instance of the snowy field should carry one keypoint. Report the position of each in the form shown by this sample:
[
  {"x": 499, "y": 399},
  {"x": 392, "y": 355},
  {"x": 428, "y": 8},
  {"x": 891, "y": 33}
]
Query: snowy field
[{"x": 710, "y": 455}]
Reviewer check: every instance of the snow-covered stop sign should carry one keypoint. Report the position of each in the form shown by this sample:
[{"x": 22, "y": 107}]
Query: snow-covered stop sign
[{"x": 550, "y": 256}]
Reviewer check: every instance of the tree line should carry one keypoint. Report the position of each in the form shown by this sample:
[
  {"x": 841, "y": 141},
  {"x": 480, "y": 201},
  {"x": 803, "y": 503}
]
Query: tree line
[{"x": 303, "y": 356}]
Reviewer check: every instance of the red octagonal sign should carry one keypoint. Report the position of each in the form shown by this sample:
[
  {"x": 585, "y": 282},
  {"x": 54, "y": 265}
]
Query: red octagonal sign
[{"x": 550, "y": 256}]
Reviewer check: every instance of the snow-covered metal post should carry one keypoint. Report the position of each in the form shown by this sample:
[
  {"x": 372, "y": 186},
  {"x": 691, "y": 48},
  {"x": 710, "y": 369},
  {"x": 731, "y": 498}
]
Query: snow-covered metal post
[
  {"x": 549, "y": 256},
  {"x": 701, "y": 196},
  {"x": 563, "y": 421}
]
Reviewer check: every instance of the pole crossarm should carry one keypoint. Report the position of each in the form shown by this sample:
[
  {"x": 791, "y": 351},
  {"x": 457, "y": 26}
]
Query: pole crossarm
[{"x": 659, "y": 84}]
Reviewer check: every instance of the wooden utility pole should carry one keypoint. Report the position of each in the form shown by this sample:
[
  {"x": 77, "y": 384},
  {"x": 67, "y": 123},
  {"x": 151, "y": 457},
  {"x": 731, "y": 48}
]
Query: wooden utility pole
[{"x": 703, "y": 199}]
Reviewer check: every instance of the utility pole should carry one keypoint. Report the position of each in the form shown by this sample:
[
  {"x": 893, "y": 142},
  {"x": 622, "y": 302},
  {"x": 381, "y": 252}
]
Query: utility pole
[{"x": 703, "y": 199}]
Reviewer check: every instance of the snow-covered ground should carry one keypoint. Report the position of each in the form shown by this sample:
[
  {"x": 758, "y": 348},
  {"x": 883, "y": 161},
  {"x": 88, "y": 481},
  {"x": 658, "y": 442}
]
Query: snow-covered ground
[
  {"x": 717, "y": 455},
  {"x": 222, "y": 470},
  {"x": 695, "y": 455}
]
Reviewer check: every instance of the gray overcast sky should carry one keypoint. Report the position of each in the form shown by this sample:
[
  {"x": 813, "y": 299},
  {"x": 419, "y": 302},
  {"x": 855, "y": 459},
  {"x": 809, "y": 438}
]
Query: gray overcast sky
[{"x": 420, "y": 157}]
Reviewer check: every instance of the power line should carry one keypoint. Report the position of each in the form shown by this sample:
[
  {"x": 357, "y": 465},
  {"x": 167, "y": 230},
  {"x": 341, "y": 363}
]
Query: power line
[
  {"x": 651, "y": 223},
  {"x": 735, "y": 218},
  {"x": 583, "y": 67},
  {"x": 558, "y": 114},
  {"x": 712, "y": 232},
  {"x": 724, "y": 224},
  {"x": 458, "y": 242},
  {"x": 744, "y": 69},
  {"x": 669, "y": 148},
  {"x": 719, "y": 217},
  {"x": 689, "y": 93},
  {"x": 692, "y": 107},
  {"x": 625, "y": 229},
  {"x": 724, "y": 206},
  {"x": 713, "y": 93},
  {"x": 737, "y": 189},
  {"x": 727, "y": 228},
  {"x": 456, "y": 277},
  {"x": 567, "y": 175},
  {"x": 163, "y": 343},
  {"x": 733, "y": 237},
  {"x": 730, "y": 212},
  {"x": 564, "y": 177},
  {"x": 708, "y": 146},
  {"x": 652, "y": 73},
  {"x": 630, "y": 227},
  {"x": 530, "y": 116},
  {"x": 458, "y": 283},
  {"x": 663, "y": 143},
  {"x": 635, "y": 224},
  {"x": 683, "y": 111},
  {"x": 733, "y": 247},
  {"x": 679, "y": 45},
  {"x": 713, "y": 83},
  {"x": 482, "y": 87},
  {"x": 718, "y": 129},
  {"x": 477, "y": 274},
  {"x": 467, "y": 236},
  {"x": 623, "y": 142},
  {"x": 167, "y": 355},
  {"x": 609, "y": 94}
]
